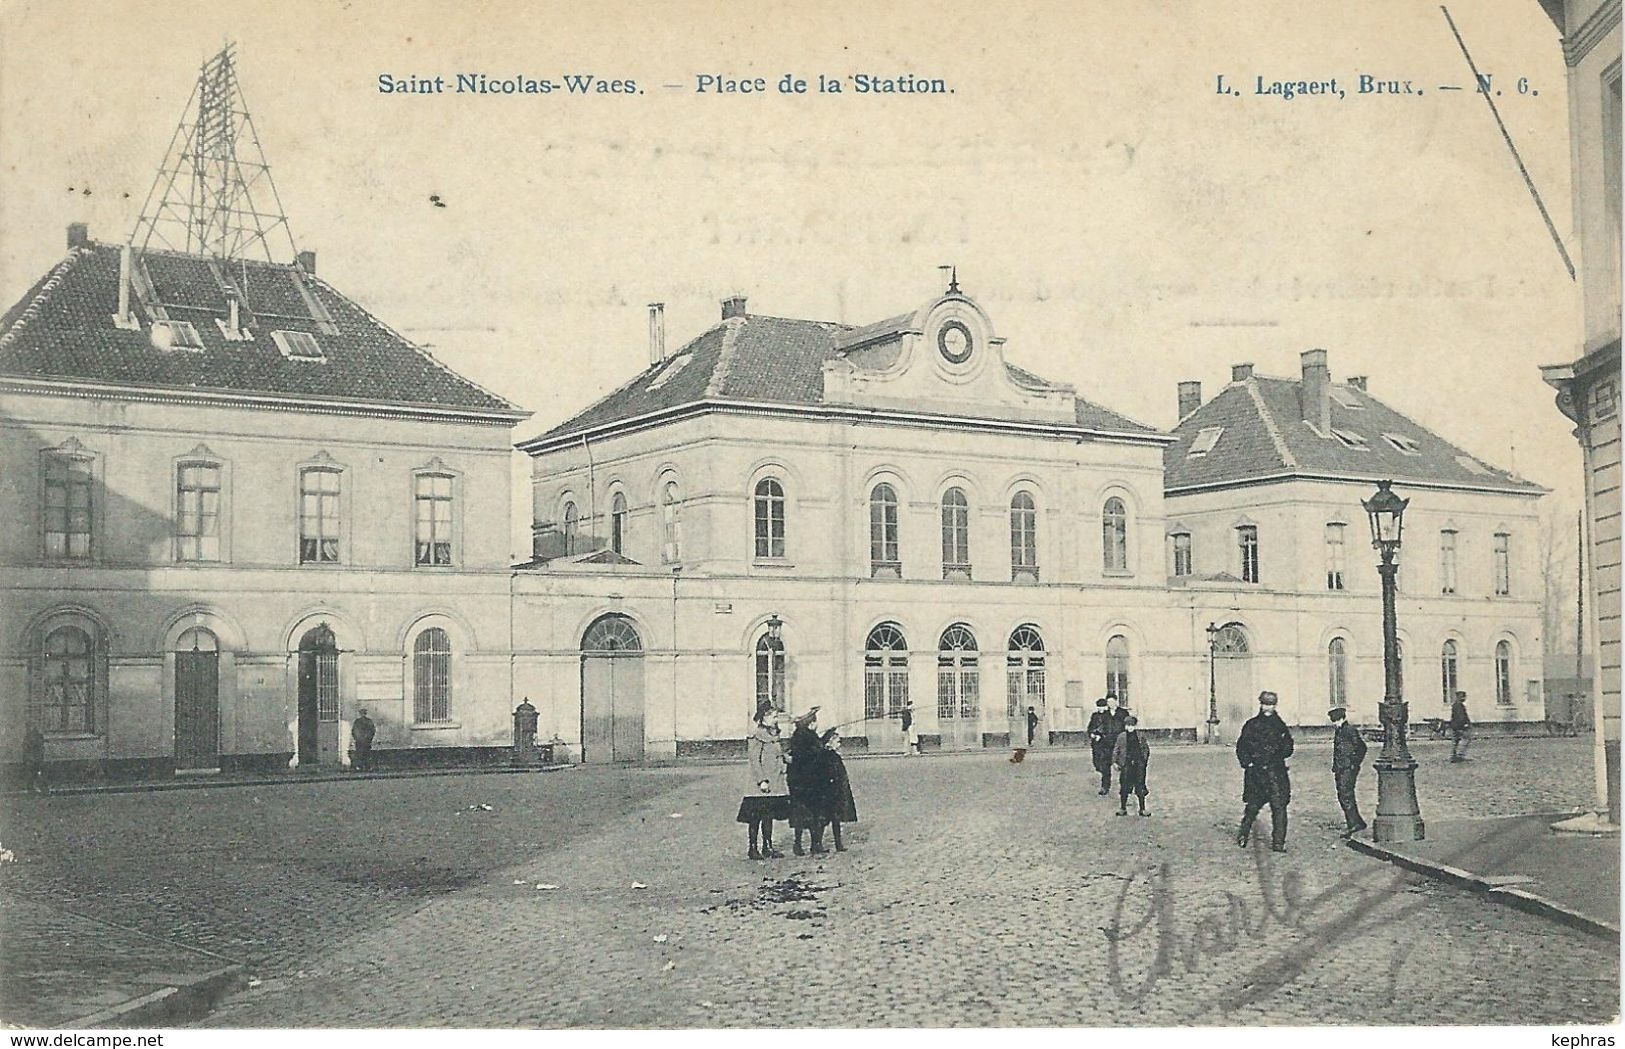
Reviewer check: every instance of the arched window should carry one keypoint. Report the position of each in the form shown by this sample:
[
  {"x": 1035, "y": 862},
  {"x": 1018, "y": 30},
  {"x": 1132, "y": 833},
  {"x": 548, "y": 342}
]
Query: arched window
[
  {"x": 1337, "y": 672},
  {"x": 1023, "y": 537},
  {"x": 671, "y": 551},
  {"x": 884, "y": 557},
  {"x": 1231, "y": 640},
  {"x": 611, "y": 633},
  {"x": 618, "y": 517},
  {"x": 1024, "y": 671},
  {"x": 1503, "y": 672},
  {"x": 431, "y": 676},
  {"x": 955, "y": 535},
  {"x": 769, "y": 518},
  {"x": 770, "y": 671},
  {"x": 885, "y": 672},
  {"x": 1117, "y": 668},
  {"x": 66, "y": 700},
  {"x": 572, "y": 528},
  {"x": 1447, "y": 671},
  {"x": 958, "y": 682},
  {"x": 1114, "y": 535}
]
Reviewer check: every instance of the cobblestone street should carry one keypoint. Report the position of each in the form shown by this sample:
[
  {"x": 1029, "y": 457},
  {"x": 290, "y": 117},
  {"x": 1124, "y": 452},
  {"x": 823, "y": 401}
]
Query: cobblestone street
[{"x": 974, "y": 893}]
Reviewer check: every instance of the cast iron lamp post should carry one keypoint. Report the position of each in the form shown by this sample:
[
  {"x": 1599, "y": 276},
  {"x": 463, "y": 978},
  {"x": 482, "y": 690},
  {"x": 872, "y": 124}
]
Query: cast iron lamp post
[
  {"x": 1399, "y": 818},
  {"x": 1212, "y": 683}
]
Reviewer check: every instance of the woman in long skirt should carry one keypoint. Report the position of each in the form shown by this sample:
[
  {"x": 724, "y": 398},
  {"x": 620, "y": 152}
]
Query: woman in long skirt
[{"x": 767, "y": 798}]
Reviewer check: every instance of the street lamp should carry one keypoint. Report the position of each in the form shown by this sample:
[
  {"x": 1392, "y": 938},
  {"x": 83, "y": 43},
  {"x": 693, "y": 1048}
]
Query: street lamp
[
  {"x": 774, "y": 625},
  {"x": 1399, "y": 818},
  {"x": 1212, "y": 683}
]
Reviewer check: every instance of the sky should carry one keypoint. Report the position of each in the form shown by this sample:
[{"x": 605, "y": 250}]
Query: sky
[{"x": 1125, "y": 224}]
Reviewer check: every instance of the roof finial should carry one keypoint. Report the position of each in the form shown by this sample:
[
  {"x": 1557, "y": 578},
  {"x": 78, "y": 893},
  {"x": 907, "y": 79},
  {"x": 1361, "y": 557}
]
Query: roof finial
[{"x": 953, "y": 278}]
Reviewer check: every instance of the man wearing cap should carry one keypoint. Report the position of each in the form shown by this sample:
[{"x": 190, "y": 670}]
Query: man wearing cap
[
  {"x": 1461, "y": 728},
  {"x": 1105, "y": 724},
  {"x": 806, "y": 781},
  {"x": 1262, "y": 749},
  {"x": 1348, "y": 754},
  {"x": 1132, "y": 756}
]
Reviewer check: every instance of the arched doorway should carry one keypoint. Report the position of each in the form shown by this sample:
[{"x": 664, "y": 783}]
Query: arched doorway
[
  {"x": 197, "y": 700},
  {"x": 959, "y": 693},
  {"x": 1232, "y": 679},
  {"x": 1024, "y": 685},
  {"x": 611, "y": 691},
  {"x": 318, "y": 697},
  {"x": 885, "y": 688}
]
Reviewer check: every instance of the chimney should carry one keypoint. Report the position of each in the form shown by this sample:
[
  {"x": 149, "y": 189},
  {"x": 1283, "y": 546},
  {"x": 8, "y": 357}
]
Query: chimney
[
  {"x": 307, "y": 261},
  {"x": 657, "y": 332},
  {"x": 1190, "y": 397},
  {"x": 124, "y": 263},
  {"x": 1358, "y": 382},
  {"x": 1241, "y": 372},
  {"x": 233, "y": 319},
  {"x": 78, "y": 235},
  {"x": 1315, "y": 392},
  {"x": 733, "y": 307}
]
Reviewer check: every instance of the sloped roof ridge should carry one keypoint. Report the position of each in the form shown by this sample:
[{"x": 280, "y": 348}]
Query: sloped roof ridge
[
  {"x": 420, "y": 351},
  {"x": 1120, "y": 415},
  {"x": 28, "y": 307},
  {"x": 1458, "y": 450},
  {"x": 719, "y": 372},
  {"x": 795, "y": 320},
  {"x": 1270, "y": 427}
]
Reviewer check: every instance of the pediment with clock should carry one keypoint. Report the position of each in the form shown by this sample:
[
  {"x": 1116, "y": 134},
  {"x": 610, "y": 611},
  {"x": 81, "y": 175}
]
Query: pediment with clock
[{"x": 944, "y": 358}]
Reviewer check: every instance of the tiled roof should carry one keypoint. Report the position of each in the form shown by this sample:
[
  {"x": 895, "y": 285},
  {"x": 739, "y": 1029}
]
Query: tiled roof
[
  {"x": 63, "y": 329},
  {"x": 1264, "y": 436},
  {"x": 770, "y": 360}
]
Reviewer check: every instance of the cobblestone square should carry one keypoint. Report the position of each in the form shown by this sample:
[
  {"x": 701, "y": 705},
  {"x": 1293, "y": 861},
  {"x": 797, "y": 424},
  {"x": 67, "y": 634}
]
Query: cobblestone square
[{"x": 974, "y": 893}]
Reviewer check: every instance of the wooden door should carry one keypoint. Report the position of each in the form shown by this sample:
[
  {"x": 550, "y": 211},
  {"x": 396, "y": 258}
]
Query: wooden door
[
  {"x": 611, "y": 709},
  {"x": 197, "y": 710}
]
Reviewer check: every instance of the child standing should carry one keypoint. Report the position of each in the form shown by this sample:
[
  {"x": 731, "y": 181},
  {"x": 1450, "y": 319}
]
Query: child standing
[
  {"x": 1131, "y": 755},
  {"x": 767, "y": 798},
  {"x": 843, "y": 808}
]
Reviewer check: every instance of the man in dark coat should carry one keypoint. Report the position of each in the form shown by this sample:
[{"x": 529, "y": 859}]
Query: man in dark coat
[
  {"x": 1461, "y": 728},
  {"x": 1262, "y": 749},
  {"x": 1348, "y": 754},
  {"x": 1132, "y": 756},
  {"x": 1032, "y": 724},
  {"x": 362, "y": 732},
  {"x": 807, "y": 782},
  {"x": 1104, "y": 726}
]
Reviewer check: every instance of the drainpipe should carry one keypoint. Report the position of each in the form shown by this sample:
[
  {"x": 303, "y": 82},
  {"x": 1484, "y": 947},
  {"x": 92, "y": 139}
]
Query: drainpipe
[{"x": 592, "y": 486}]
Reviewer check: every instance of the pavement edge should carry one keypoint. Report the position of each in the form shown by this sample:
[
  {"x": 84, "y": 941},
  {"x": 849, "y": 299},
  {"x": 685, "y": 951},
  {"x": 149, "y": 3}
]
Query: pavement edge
[{"x": 170, "y": 1006}]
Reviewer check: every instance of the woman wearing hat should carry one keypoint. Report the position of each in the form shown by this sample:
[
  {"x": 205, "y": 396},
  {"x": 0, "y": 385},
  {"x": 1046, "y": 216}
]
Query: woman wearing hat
[{"x": 767, "y": 798}]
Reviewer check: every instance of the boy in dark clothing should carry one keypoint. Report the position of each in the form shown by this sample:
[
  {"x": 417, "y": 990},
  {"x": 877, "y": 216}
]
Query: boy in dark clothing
[
  {"x": 1132, "y": 755},
  {"x": 841, "y": 807},
  {"x": 807, "y": 783},
  {"x": 1262, "y": 749},
  {"x": 1348, "y": 754}
]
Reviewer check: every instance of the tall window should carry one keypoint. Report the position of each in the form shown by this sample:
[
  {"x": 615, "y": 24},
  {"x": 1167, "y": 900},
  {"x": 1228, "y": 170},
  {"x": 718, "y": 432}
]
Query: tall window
[
  {"x": 1447, "y": 671},
  {"x": 1023, "y": 537},
  {"x": 958, "y": 691},
  {"x": 1334, "y": 557},
  {"x": 1117, "y": 668},
  {"x": 1337, "y": 672},
  {"x": 770, "y": 671},
  {"x": 1503, "y": 564},
  {"x": 432, "y": 499},
  {"x": 1247, "y": 540},
  {"x": 66, "y": 702},
  {"x": 431, "y": 676},
  {"x": 671, "y": 524},
  {"x": 769, "y": 518},
  {"x": 1114, "y": 535},
  {"x": 1181, "y": 542},
  {"x": 884, "y": 556},
  {"x": 319, "y": 516},
  {"x": 1447, "y": 561},
  {"x": 885, "y": 672},
  {"x": 955, "y": 535},
  {"x": 1503, "y": 672},
  {"x": 572, "y": 528},
  {"x": 1024, "y": 669},
  {"x": 617, "y": 523},
  {"x": 197, "y": 512},
  {"x": 67, "y": 507}
]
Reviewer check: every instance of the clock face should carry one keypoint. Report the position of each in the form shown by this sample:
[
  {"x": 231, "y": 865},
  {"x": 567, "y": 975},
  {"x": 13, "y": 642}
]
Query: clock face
[{"x": 955, "y": 342}]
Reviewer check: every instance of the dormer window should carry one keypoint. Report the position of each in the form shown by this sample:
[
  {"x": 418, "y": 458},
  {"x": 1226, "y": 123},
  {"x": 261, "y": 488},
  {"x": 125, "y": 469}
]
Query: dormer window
[
  {"x": 298, "y": 346},
  {"x": 1349, "y": 439},
  {"x": 1347, "y": 399},
  {"x": 669, "y": 372},
  {"x": 1471, "y": 465},
  {"x": 1408, "y": 445},
  {"x": 1206, "y": 438},
  {"x": 176, "y": 335}
]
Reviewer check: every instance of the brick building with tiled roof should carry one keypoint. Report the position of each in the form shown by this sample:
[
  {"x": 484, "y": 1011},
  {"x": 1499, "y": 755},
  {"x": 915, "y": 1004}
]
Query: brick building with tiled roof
[
  {"x": 240, "y": 511},
  {"x": 1268, "y": 540}
]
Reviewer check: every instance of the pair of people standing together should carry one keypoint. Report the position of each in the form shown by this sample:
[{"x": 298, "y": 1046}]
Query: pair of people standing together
[
  {"x": 1262, "y": 750},
  {"x": 804, "y": 783},
  {"x": 1114, "y": 738}
]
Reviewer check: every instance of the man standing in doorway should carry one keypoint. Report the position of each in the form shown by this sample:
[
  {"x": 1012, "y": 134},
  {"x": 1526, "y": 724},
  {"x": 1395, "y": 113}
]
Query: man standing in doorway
[
  {"x": 1032, "y": 724},
  {"x": 1348, "y": 754},
  {"x": 362, "y": 731},
  {"x": 1461, "y": 728},
  {"x": 1262, "y": 749}
]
